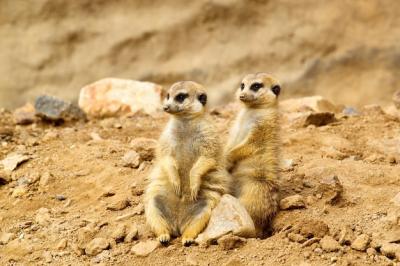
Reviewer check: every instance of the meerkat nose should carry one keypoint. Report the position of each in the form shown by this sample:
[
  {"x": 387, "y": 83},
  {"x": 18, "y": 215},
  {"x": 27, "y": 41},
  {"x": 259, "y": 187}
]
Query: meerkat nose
[
  {"x": 166, "y": 108},
  {"x": 242, "y": 97}
]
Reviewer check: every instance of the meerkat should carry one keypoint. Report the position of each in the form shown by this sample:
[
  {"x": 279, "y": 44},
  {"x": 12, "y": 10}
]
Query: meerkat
[
  {"x": 189, "y": 176},
  {"x": 252, "y": 149}
]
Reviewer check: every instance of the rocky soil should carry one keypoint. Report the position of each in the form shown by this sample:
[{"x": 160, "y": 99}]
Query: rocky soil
[
  {"x": 347, "y": 51},
  {"x": 71, "y": 193}
]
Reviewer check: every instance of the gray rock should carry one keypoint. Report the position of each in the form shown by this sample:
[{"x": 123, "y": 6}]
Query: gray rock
[
  {"x": 228, "y": 217},
  {"x": 350, "y": 111},
  {"x": 292, "y": 202},
  {"x": 54, "y": 109},
  {"x": 60, "y": 197}
]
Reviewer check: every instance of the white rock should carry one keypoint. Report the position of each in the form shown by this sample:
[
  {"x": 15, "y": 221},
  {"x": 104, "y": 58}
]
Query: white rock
[
  {"x": 143, "y": 249},
  {"x": 12, "y": 160},
  {"x": 228, "y": 217},
  {"x": 113, "y": 97},
  {"x": 131, "y": 159},
  {"x": 43, "y": 216}
]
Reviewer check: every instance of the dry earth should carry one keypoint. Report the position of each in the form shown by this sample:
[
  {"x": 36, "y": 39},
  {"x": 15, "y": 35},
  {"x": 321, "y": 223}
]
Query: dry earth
[
  {"x": 347, "y": 51},
  {"x": 76, "y": 174}
]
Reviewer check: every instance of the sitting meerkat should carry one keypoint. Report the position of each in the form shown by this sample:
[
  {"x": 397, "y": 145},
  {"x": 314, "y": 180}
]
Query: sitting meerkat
[
  {"x": 189, "y": 177},
  {"x": 252, "y": 150}
]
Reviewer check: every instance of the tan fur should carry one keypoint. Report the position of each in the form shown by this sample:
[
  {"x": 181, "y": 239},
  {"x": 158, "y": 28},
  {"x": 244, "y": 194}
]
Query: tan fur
[
  {"x": 189, "y": 177},
  {"x": 252, "y": 150}
]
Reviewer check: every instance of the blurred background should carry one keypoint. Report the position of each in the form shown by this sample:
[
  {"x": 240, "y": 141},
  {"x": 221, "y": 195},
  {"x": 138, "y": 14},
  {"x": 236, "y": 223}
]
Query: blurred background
[{"x": 345, "y": 50}]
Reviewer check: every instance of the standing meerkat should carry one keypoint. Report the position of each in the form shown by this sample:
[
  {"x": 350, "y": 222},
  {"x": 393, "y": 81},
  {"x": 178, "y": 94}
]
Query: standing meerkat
[
  {"x": 252, "y": 150},
  {"x": 188, "y": 178}
]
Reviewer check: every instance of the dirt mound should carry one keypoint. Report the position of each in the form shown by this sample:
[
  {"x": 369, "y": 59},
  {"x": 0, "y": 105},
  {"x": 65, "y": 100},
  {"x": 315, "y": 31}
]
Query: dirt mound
[
  {"x": 347, "y": 51},
  {"x": 77, "y": 194}
]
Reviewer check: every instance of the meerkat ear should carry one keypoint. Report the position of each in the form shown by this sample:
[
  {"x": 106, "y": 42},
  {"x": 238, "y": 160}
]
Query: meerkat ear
[
  {"x": 202, "y": 98},
  {"x": 276, "y": 89}
]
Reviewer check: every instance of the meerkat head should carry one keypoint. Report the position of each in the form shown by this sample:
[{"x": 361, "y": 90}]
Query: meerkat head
[
  {"x": 259, "y": 89},
  {"x": 185, "y": 99}
]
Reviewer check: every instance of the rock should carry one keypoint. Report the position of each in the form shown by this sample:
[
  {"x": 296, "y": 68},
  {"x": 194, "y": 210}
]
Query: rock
[
  {"x": 5, "y": 177},
  {"x": 60, "y": 197},
  {"x": 332, "y": 189},
  {"x": 143, "y": 249},
  {"x": 311, "y": 228},
  {"x": 19, "y": 191},
  {"x": 311, "y": 241},
  {"x": 396, "y": 200},
  {"x": 85, "y": 235},
  {"x": 292, "y": 202},
  {"x": 62, "y": 244},
  {"x": 6, "y": 237},
  {"x": 371, "y": 252},
  {"x": 361, "y": 242},
  {"x": 139, "y": 209},
  {"x": 229, "y": 216},
  {"x": 43, "y": 217},
  {"x": 346, "y": 236},
  {"x": 119, "y": 233},
  {"x": 296, "y": 238},
  {"x": 96, "y": 246},
  {"x": 54, "y": 109},
  {"x": 145, "y": 147},
  {"x": 391, "y": 250},
  {"x": 350, "y": 111},
  {"x": 131, "y": 159},
  {"x": 118, "y": 205},
  {"x": 313, "y": 103},
  {"x": 132, "y": 234},
  {"x": 45, "y": 179},
  {"x": 372, "y": 109},
  {"x": 319, "y": 119},
  {"x": 13, "y": 160},
  {"x": 230, "y": 241},
  {"x": 114, "y": 97},
  {"x": 329, "y": 244},
  {"x": 331, "y": 152},
  {"x": 24, "y": 115}
]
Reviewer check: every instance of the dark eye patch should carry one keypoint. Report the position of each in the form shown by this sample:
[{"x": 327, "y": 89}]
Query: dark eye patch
[
  {"x": 242, "y": 86},
  {"x": 203, "y": 98},
  {"x": 276, "y": 89},
  {"x": 181, "y": 97},
  {"x": 256, "y": 86}
]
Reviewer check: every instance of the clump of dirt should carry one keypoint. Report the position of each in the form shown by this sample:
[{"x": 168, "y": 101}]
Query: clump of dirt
[{"x": 76, "y": 200}]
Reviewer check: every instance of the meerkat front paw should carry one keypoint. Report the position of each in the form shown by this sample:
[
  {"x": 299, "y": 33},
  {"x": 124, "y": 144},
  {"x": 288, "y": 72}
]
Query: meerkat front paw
[
  {"x": 187, "y": 241},
  {"x": 164, "y": 238}
]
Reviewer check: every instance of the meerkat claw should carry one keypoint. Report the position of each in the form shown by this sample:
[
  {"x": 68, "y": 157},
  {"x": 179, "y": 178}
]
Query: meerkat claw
[
  {"x": 187, "y": 241},
  {"x": 164, "y": 238}
]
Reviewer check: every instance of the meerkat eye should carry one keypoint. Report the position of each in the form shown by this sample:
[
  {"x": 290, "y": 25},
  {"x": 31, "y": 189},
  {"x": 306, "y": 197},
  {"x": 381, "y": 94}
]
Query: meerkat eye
[
  {"x": 242, "y": 86},
  {"x": 276, "y": 89},
  {"x": 203, "y": 98},
  {"x": 181, "y": 97},
  {"x": 256, "y": 86}
]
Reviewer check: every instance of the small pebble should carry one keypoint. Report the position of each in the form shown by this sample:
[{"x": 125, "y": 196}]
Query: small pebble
[{"x": 60, "y": 197}]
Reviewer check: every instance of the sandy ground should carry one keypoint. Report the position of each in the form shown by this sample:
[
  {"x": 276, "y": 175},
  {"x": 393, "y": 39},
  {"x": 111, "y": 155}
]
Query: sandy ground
[{"x": 70, "y": 160}]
